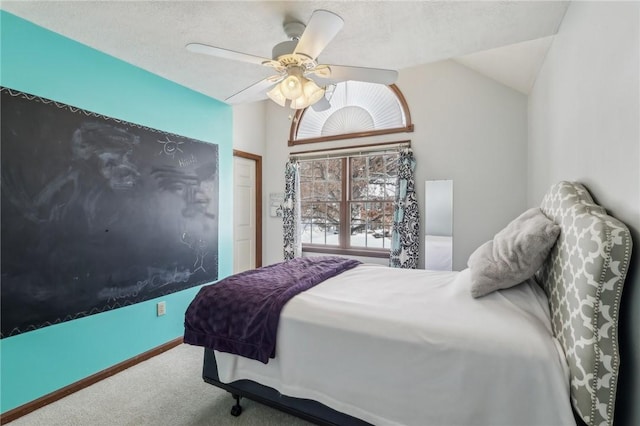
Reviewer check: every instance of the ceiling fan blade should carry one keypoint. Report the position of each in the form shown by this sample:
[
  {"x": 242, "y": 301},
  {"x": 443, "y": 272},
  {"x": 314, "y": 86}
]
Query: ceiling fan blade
[
  {"x": 255, "y": 92},
  {"x": 371, "y": 75},
  {"x": 226, "y": 53},
  {"x": 321, "y": 29}
]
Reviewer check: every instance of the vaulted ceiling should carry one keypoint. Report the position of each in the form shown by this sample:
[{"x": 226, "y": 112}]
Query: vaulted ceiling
[{"x": 506, "y": 40}]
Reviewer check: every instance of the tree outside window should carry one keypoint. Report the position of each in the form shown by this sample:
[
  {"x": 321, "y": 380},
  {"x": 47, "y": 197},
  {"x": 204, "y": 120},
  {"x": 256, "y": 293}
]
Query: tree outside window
[{"x": 347, "y": 202}]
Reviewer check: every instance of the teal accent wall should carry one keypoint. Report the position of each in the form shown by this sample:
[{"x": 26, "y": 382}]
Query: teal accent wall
[{"x": 43, "y": 63}]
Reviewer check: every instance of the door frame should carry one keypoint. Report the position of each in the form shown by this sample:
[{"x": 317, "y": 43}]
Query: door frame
[{"x": 258, "y": 160}]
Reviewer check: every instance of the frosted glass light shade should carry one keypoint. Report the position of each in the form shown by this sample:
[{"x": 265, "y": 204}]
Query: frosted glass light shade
[
  {"x": 300, "y": 102},
  {"x": 291, "y": 87},
  {"x": 313, "y": 92},
  {"x": 276, "y": 95},
  {"x": 300, "y": 90}
]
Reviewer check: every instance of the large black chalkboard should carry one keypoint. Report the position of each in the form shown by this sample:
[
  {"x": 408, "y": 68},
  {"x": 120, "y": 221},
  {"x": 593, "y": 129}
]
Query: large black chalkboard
[{"x": 98, "y": 213}]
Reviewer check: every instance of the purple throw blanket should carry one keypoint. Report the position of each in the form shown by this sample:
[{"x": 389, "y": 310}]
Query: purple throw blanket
[{"x": 240, "y": 313}]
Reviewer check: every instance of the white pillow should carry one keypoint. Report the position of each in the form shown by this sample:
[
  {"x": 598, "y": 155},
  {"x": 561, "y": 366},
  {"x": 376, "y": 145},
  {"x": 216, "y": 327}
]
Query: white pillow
[{"x": 514, "y": 254}]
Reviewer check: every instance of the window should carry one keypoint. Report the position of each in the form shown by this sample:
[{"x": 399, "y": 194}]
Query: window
[
  {"x": 347, "y": 202},
  {"x": 357, "y": 109}
]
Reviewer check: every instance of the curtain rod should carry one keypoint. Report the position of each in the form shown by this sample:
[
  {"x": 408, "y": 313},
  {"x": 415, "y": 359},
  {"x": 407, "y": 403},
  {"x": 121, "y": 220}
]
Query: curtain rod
[{"x": 352, "y": 150}]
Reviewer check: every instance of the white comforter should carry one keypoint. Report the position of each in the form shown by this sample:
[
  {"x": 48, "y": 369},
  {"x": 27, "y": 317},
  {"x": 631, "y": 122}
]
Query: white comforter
[{"x": 412, "y": 347}]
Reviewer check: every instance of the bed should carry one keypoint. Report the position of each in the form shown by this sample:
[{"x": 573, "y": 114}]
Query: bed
[{"x": 377, "y": 345}]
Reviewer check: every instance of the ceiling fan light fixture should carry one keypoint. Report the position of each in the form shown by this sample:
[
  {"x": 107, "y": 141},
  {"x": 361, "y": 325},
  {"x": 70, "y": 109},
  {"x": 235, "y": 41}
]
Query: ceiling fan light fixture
[
  {"x": 292, "y": 86},
  {"x": 312, "y": 91},
  {"x": 299, "y": 102},
  {"x": 276, "y": 95}
]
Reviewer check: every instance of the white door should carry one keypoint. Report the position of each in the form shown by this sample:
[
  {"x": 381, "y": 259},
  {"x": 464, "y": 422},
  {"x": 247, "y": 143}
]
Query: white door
[{"x": 244, "y": 214}]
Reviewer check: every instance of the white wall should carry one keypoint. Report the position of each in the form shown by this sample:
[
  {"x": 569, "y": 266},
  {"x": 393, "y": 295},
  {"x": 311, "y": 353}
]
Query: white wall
[
  {"x": 249, "y": 134},
  {"x": 584, "y": 125},
  {"x": 472, "y": 130},
  {"x": 249, "y": 127},
  {"x": 467, "y": 128}
]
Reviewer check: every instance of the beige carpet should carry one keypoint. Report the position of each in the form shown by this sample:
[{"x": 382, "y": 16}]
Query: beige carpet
[{"x": 165, "y": 390}]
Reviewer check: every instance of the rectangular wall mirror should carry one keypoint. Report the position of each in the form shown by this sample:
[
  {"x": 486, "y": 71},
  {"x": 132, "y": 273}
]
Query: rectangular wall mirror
[{"x": 438, "y": 221}]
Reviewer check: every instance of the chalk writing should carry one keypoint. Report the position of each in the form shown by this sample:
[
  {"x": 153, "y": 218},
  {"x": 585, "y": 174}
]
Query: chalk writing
[
  {"x": 156, "y": 279},
  {"x": 189, "y": 161}
]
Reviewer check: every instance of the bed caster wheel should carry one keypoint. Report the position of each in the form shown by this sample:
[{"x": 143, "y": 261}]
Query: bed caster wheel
[{"x": 236, "y": 410}]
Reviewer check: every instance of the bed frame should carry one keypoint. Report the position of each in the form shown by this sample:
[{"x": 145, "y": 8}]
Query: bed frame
[
  {"x": 306, "y": 409},
  {"x": 583, "y": 276}
]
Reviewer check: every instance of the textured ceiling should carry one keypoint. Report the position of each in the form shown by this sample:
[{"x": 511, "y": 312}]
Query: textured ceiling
[{"x": 380, "y": 34}]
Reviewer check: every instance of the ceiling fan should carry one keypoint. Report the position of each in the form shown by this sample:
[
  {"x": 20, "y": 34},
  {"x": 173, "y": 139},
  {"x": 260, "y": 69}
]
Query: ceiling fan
[{"x": 299, "y": 79}]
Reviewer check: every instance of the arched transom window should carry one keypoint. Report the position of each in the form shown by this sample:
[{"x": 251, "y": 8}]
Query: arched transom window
[{"x": 357, "y": 109}]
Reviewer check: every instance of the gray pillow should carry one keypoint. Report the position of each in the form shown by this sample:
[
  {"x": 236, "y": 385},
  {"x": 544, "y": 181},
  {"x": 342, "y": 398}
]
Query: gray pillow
[{"x": 514, "y": 254}]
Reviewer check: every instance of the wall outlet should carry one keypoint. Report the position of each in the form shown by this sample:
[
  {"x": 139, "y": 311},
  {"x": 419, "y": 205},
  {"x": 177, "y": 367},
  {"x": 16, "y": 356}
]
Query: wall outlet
[{"x": 161, "y": 308}]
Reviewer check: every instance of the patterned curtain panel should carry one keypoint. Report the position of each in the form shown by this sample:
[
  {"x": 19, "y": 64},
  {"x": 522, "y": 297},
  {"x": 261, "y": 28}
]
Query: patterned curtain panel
[
  {"x": 405, "y": 243},
  {"x": 291, "y": 212}
]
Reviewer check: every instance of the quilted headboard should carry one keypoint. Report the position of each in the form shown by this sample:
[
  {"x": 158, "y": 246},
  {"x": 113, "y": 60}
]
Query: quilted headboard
[{"x": 583, "y": 279}]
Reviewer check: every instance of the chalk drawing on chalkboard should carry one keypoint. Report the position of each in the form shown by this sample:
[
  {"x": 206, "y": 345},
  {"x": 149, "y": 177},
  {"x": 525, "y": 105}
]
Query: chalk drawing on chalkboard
[
  {"x": 188, "y": 187},
  {"x": 199, "y": 248},
  {"x": 170, "y": 147},
  {"x": 93, "y": 218}
]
